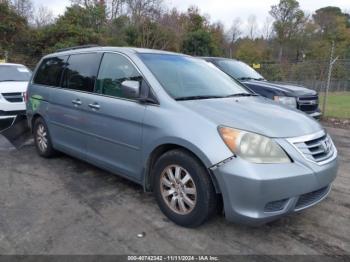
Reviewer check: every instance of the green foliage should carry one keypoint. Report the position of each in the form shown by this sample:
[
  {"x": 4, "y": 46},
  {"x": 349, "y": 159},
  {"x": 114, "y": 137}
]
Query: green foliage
[
  {"x": 296, "y": 38},
  {"x": 331, "y": 25},
  {"x": 288, "y": 17},
  {"x": 289, "y": 20},
  {"x": 11, "y": 26},
  {"x": 78, "y": 26},
  {"x": 120, "y": 33},
  {"x": 92, "y": 17},
  {"x": 272, "y": 72},
  {"x": 195, "y": 21},
  {"x": 201, "y": 39},
  {"x": 252, "y": 51},
  {"x": 332, "y": 22},
  {"x": 198, "y": 43}
]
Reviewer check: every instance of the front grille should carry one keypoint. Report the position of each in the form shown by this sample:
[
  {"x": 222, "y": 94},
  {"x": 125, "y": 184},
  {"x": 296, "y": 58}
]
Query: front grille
[
  {"x": 275, "y": 205},
  {"x": 318, "y": 148},
  {"x": 13, "y": 97},
  {"x": 312, "y": 197},
  {"x": 308, "y": 104}
]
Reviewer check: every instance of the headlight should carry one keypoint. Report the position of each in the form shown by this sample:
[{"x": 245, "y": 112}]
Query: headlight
[
  {"x": 286, "y": 100},
  {"x": 253, "y": 147}
]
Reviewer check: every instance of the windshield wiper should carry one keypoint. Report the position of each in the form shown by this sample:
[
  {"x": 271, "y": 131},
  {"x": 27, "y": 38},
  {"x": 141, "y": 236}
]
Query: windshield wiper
[
  {"x": 250, "y": 78},
  {"x": 209, "y": 97},
  {"x": 241, "y": 94},
  {"x": 245, "y": 78},
  {"x": 196, "y": 97},
  {"x": 9, "y": 80}
]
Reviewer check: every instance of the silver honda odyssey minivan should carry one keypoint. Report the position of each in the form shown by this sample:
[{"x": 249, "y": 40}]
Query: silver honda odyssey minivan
[{"x": 182, "y": 129}]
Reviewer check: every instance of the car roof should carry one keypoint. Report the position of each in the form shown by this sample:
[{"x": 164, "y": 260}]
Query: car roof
[{"x": 111, "y": 49}]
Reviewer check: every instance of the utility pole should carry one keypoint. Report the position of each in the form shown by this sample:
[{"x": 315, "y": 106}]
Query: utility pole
[{"x": 331, "y": 63}]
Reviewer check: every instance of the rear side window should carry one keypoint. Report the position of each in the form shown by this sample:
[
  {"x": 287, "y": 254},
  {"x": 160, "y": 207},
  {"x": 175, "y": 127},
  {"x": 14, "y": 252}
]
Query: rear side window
[
  {"x": 81, "y": 71},
  {"x": 50, "y": 71}
]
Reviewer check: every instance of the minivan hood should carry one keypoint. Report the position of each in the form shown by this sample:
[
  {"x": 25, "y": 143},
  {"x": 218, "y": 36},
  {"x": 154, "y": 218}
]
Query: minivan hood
[
  {"x": 13, "y": 86},
  {"x": 255, "y": 114},
  {"x": 292, "y": 90}
]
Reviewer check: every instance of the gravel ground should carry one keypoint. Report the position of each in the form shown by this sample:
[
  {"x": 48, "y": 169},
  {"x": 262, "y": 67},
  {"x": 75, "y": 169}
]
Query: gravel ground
[{"x": 65, "y": 206}]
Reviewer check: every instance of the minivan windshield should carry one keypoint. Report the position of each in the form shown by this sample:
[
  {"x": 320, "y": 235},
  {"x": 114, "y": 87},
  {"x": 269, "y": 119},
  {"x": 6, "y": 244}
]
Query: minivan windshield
[
  {"x": 187, "y": 78},
  {"x": 239, "y": 70},
  {"x": 14, "y": 73}
]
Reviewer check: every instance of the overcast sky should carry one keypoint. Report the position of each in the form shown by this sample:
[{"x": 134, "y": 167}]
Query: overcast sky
[{"x": 222, "y": 10}]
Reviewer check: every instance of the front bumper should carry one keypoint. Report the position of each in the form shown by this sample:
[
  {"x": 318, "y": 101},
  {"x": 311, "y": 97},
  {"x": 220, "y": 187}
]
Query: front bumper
[
  {"x": 11, "y": 110},
  {"x": 11, "y": 114},
  {"x": 255, "y": 194}
]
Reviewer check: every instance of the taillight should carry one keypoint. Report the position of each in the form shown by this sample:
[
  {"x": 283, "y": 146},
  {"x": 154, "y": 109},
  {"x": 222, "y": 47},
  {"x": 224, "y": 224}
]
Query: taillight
[{"x": 25, "y": 96}]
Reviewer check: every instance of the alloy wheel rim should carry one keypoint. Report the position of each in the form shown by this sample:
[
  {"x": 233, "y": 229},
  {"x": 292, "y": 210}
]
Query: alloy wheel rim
[
  {"x": 41, "y": 136},
  {"x": 178, "y": 189}
]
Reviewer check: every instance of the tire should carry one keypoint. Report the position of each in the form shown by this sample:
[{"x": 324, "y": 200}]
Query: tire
[
  {"x": 42, "y": 139},
  {"x": 187, "y": 201}
]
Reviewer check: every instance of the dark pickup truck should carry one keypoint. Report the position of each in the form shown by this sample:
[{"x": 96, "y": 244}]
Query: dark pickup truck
[{"x": 294, "y": 96}]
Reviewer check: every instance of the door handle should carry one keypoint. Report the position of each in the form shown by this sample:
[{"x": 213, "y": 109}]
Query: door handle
[
  {"x": 94, "y": 106},
  {"x": 77, "y": 102}
]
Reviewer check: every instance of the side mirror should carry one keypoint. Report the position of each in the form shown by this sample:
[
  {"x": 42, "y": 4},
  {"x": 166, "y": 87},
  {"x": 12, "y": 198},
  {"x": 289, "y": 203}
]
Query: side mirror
[{"x": 131, "y": 89}]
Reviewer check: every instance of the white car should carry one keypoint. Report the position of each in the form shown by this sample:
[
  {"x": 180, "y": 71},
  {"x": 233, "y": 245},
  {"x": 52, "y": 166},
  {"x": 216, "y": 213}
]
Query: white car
[{"x": 13, "y": 85}]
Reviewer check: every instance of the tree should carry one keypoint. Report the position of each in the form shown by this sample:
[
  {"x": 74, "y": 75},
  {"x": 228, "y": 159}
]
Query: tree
[
  {"x": 288, "y": 33},
  {"x": 88, "y": 16},
  {"x": 288, "y": 18},
  {"x": 332, "y": 22},
  {"x": 200, "y": 39},
  {"x": 219, "y": 44},
  {"x": 267, "y": 28},
  {"x": 139, "y": 9},
  {"x": 235, "y": 30},
  {"x": 198, "y": 43},
  {"x": 24, "y": 8},
  {"x": 151, "y": 34},
  {"x": 79, "y": 25},
  {"x": 195, "y": 21},
  {"x": 120, "y": 33},
  {"x": 43, "y": 17},
  {"x": 175, "y": 22},
  {"x": 252, "y": 26},
  {"x": 117, "y": 8},
  {"x": 300, "y": 41},
  {"x": 252, "y": 51},
  {"x": 11, "y": 25},
  {"x": 233, "y": 34},
  {"x": 331, "y": 25}
]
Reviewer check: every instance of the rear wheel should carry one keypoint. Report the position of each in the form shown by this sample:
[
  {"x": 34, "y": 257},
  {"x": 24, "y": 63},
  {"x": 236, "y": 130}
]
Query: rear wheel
[
  {"x": 42, "y": 139},
  {"x": 183, "y": 189}
]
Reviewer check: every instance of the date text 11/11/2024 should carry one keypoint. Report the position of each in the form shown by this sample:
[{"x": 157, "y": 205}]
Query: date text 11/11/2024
[{"x": 173, "y": 258}]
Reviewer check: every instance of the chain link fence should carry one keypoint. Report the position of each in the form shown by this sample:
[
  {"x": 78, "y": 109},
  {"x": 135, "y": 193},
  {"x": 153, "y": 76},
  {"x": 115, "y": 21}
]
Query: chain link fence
[{"x": 311, "y": 74}]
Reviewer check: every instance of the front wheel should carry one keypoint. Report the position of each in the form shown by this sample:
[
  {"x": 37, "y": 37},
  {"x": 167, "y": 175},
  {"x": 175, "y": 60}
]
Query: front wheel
[{"x": 183, "y": 189}]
